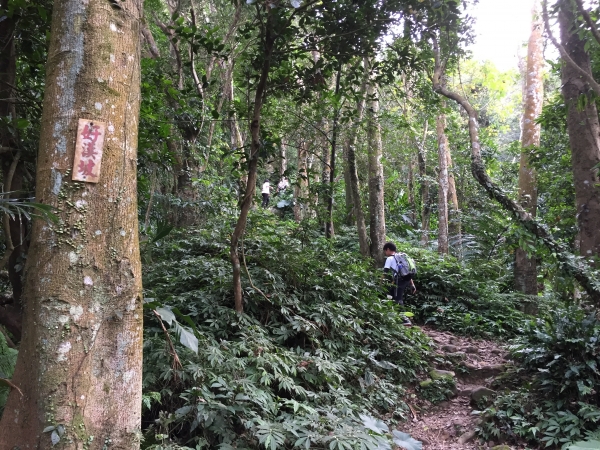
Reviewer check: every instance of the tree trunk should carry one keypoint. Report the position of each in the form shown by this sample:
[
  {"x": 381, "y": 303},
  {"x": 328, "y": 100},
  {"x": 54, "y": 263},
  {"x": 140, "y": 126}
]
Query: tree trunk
[
  {"x": 80, "y": 360},
  {"x": 350, "y": 216},
  {"x": 376, "y": 205},
  {"x": 525, "y": 267},
  {"x": 301, "y": 188},
  {"x": 329, "y": 231},
  {"x": 411, "y": 189},
  {"x": 363, "y": 240},
  {"x": 579, "y": 271},
  {"x": 443, "y": 185},
  {"x": 584, "y": 132},
  {"x": 454, "y": 225},
  {"x": 425, "y": 196},
  {"x": 259, "y": 97}
]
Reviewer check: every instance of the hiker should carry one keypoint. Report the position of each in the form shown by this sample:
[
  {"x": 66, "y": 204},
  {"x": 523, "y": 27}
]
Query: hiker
[
  {"x": 283, "y": 185},
  {"x": 393, "y": 264},
  {"x": 266, "y": 191}
]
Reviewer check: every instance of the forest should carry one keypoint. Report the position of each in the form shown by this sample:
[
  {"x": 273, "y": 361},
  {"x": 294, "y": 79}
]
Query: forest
[{"x": 196, "y": 195}]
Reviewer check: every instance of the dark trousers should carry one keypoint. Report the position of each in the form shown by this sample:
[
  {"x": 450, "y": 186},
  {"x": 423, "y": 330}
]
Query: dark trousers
[
  {"x": 265, "y": 201},
  {"x": 397, "y": 292}
]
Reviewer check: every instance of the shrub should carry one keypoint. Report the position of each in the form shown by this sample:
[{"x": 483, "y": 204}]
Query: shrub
[
  {"x": 317, "y": 345},
  {"x": 559, "y": 356}
]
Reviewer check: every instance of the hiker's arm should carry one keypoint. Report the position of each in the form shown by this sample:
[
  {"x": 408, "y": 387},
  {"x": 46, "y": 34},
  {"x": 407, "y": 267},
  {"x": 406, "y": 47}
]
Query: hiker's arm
[{"x": 414, "y": 288}]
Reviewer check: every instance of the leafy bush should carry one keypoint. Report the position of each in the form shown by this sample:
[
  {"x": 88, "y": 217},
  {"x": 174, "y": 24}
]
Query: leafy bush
[
  {"x": 522, "y": 415},
  {"x": 563, "y": 351},
  {"x": 317, "y": 346},
  {"x": 463, "y": 299},
  {"x": 560, "y": 357}
]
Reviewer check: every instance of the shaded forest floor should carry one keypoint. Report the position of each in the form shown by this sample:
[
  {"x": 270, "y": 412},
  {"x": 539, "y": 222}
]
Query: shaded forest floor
[{"x": 450, "y": 425}]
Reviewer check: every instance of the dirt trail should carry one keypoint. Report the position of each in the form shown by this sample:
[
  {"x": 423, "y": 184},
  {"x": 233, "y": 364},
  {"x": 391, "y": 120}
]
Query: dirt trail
[{"x": 450, "y": 425}]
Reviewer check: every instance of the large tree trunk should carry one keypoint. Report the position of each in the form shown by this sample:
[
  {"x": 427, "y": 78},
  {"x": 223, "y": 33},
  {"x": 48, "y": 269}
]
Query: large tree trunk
[
  {"x": 584, "y": 132},
  {"x": 80, "y": 360},
  {"x": 526, "y": 267},
  {"x": 579, "y": 271},
  {"x": 376, "y": 205},
  {"x": 443, "y": 184}
]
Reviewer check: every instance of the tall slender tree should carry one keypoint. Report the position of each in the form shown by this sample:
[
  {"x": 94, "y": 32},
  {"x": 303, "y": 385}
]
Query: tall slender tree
[
  {"x": 80, "y": 362},
  {"x": 442, "y": 184},
  {"x": 376, "y": 206},
  {"x": 525, "y": 266}
]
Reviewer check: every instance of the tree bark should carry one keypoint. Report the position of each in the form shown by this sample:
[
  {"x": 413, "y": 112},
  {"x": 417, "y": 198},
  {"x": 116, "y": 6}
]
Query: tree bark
[
  {"x": 376, "y": 205},
  {"x": 259, "y": 96},
  {"x": 363, "y": 240},
  {"x": 350, "y": 216},
  {"x": 584, "y": 132},
  {"x": 454, "y": 225},
  {"x": 301, "y": 188},
  {"x": 443, "y": 185},
  {"x": 329, "y": 231},
  {"x": 425, "y": 196},
  {"x": 80, "y": 360},
  {"x": 579, "y": 271},
  {"x": 411, "y": 189},
  {"x": 526, "y": 267}
]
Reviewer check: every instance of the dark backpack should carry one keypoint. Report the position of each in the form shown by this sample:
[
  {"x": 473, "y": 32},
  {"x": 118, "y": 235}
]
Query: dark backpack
[{"x": 406, "y": 266}]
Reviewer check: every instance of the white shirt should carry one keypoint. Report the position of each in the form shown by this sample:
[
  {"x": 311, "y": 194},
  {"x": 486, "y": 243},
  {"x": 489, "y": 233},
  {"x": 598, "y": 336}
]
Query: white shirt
[
  {"x": 266, "y": 189},
  {"x": 390, "y": 263},
  {"x": 283, "y": 184}
]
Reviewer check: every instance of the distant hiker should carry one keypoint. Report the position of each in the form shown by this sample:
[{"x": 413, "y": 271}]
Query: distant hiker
[
  {"x": 402, "y": 269},
  {"x": 266, "y": 191},
  {"x": 283, "y": 185}
]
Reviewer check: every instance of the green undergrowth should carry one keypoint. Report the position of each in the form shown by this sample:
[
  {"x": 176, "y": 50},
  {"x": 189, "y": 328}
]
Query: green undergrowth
[
  {"x": 465, "y": 299},
  {"x": 318, "y": 344},
  {"x": 552, "y": 399}
]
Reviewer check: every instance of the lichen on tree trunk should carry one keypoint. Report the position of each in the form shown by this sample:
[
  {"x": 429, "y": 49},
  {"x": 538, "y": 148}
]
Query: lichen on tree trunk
[{"x": 80, "y": 361}]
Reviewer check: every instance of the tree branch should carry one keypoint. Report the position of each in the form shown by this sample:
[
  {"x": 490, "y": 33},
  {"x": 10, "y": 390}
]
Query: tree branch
[
  {"x": 588, "y": 19},
  {"x": 578, "y": 268},
  {"x": 565, "y": 56}
]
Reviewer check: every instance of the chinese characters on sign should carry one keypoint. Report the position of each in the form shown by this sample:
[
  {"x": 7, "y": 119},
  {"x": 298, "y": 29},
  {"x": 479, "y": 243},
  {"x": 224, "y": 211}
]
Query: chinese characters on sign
[{"x": 88, "y": 151}]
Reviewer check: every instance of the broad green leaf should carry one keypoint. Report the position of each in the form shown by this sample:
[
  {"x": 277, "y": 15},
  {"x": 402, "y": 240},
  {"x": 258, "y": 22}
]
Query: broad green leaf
[
  {"x": 187, "y": 338},
  {"x": 585, "y": 445},
  {"x": 166, "y": 315},
  {"x": 405, "y": 441},
  {"x": 373, "y": 424}
]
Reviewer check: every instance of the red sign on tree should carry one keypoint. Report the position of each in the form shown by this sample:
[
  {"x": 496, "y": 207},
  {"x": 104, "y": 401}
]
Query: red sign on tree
[{"x": 88, "y": 151}]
